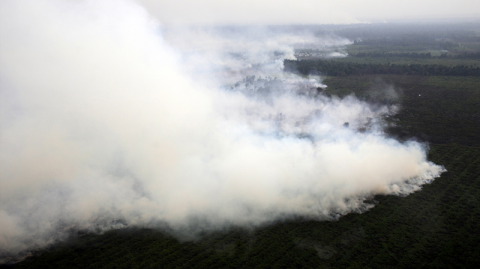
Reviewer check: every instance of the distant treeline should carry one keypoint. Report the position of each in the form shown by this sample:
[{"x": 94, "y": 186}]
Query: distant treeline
[
  {"x": 335, "y": 68},
  {"x": 403, "y": 42},
  {"x": 464, "y": 55}
]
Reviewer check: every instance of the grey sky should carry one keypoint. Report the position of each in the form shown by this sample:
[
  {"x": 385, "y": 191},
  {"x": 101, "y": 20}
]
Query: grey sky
[{"x": 307, "y": 11}]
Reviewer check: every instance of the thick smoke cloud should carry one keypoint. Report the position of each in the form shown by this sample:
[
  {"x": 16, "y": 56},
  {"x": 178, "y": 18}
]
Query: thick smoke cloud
[{"x": 108, "y": 121}]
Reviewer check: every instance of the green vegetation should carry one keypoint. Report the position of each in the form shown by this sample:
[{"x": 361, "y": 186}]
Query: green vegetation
[
  {"x": 405, "y": 61},
  {"x": 437, "y": 109},
  {"x": 338, "y": 68},
  {"x": 415, "y": 55}
]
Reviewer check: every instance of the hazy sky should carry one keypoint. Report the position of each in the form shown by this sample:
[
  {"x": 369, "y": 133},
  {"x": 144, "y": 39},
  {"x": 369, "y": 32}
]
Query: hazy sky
[{"x": 307, "y": 11}]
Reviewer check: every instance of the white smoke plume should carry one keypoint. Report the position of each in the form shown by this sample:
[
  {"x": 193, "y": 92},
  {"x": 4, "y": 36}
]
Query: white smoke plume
[
  {"x": 105, "y": 123},
  {"x": 237, "y": 52}
]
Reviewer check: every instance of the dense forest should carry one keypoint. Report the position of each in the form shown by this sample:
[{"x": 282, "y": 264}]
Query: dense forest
[
  {"x": 334, "y": 68},
  {"x": 464, "y": 55},
  {"x": 437, "y": 227}
]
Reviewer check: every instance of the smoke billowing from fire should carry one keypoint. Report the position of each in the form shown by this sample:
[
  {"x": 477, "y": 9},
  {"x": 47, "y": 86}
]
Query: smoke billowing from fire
[{"x": 107, "y": 120}]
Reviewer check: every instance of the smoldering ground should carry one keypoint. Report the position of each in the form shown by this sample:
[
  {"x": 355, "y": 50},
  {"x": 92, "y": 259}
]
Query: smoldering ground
[{"x": 106, "y": 124}]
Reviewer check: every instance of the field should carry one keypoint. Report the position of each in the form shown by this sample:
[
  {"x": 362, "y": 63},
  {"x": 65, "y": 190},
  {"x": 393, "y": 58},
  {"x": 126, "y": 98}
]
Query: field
[{"x": 437, "y": 227}]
